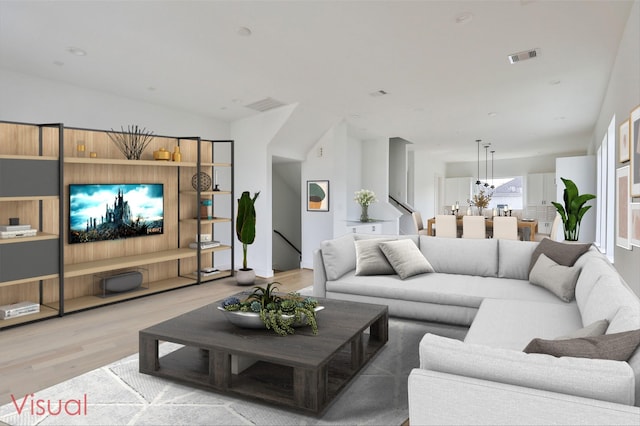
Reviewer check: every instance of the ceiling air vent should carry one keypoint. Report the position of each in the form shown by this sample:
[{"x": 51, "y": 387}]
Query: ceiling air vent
[
  {"x": 265, "y": 104},
  {"x": 523, "y": 56}
]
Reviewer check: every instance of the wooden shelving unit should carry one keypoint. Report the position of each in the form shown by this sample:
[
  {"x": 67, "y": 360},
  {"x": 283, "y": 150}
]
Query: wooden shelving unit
[
  {"x": 30, "y": 189},
  {"x": 166, "y": 257}
]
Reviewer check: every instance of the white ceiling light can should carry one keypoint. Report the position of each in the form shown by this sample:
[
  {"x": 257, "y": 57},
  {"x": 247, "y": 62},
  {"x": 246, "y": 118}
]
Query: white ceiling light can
[
  {"x": 77, "y": 51},
  {"x": 524, "y": 55},
  {"x": 464, "y": 18},
  {"x": 244, "y": 31}
]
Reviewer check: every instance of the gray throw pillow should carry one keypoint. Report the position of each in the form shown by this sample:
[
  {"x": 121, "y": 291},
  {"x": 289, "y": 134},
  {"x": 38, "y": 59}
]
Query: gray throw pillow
[
  {"x": 559, "y": 280},
  {"x": 405, "y": 258},
  {"x": 564, "y": 254},
  {"x": 597, "y": 328},
  {"x": 370, "y": 260},
  {"x": 618, "y": 346}
]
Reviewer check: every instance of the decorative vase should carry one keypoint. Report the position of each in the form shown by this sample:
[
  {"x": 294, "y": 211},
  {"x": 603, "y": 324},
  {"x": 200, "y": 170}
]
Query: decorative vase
[
  {"x": 480, "y": 213},
  {"x": 364, "y": 214},
  {"x": 245, "y": 276},
  {"x": 177, "y": 156}
]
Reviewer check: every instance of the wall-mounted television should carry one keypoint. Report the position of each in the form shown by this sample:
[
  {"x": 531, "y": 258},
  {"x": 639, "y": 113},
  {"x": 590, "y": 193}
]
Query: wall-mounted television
[{"x": 102, "y": 212}]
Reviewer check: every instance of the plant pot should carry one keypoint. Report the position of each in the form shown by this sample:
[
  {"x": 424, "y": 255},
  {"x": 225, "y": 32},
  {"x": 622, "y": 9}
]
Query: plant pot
[
  {"x": 252, "y": 319},
  {"x": 245, "y": 276}
]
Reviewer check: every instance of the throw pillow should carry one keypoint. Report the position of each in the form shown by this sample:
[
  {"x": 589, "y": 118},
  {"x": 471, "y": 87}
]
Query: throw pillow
[
  {"x": 370, "y": 260},
  {"x": 617, "y": 347},
  {"x": 564, "y": 254},
  {"x": 405, "y": 258},
  {"x": 597, "y": 328},
  {"x": 559, "y": 280}
]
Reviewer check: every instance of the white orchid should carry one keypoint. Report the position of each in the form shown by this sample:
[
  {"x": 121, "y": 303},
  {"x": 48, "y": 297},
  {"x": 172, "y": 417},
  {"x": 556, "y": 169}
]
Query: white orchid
[{"x": 365, "y": 197}]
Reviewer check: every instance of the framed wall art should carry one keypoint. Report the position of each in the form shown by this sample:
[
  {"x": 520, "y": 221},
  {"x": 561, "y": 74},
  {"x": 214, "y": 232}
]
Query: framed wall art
[
  {"x": 635, "y": 224},
  {"x": 634, "y": 139},
  {"x": 624, "y": 150},
  {"x": 318, "y": 195},
  {"x": 623, "y": 207}
]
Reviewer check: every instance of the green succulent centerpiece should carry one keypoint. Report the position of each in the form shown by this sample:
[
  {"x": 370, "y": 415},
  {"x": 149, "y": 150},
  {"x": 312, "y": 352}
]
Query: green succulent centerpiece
[{"x": 277, "y": 312}]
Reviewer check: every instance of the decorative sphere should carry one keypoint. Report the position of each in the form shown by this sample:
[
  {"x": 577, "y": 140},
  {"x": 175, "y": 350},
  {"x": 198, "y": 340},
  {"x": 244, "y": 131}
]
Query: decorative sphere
[{"x": 205, "y": 181}]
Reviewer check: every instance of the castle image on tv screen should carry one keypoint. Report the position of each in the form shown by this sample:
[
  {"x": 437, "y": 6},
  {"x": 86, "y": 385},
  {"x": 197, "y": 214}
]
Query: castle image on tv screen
[{"x": 100, "y": 212}]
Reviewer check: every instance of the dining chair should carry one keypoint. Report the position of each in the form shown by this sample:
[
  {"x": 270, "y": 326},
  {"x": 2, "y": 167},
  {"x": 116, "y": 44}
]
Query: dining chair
[
  {"x": 417, "y": 220},
  {"x": 505, "y": 227},
  {"x": 474, "y": 227},
  {"x": 446, "y": 226}
]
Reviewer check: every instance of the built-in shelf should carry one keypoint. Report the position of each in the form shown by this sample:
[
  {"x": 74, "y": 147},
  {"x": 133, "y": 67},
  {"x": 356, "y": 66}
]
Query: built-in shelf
[
  {"x": 28, "y": 157},
  {"x": 206, "y": 221},
  {"x": 27, "y": 280},
  {"x": 206, "y": 193},
  {"x": 38, "y": 237},
  {"x": 87, "y": 302},
  {"x": 45, "y": 312}
]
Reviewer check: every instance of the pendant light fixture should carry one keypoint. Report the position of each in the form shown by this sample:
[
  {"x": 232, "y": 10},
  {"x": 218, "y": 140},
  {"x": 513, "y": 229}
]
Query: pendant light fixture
[
  {"x": 478, "y": 175},
  {"x": 486, "y": 162},
  {"x": 492, "y": 182}
]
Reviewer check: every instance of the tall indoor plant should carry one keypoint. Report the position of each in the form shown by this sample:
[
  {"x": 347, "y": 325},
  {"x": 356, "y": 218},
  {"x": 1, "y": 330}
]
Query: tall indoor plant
[
  {"x": 573, "y": 210},
  {"x": 246, "y": 232}
]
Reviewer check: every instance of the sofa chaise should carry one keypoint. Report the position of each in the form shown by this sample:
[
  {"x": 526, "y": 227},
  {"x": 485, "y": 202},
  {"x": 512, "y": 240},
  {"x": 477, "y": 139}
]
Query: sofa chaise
[{"x": 484, "y": 284}]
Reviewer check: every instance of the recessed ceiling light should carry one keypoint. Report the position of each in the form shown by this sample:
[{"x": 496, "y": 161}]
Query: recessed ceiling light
[
  {"x": 464, "y": 18},
  {"x": 244, "y": 31},
  {"x": 151, "y": 89},
  {"x": 555, "y": 82},
  {"x": 58, "y": 63},
  {"x": 378, "y": 93},
  {"x": 492, "y": 114},
  {"x": 77, "y": 51}
]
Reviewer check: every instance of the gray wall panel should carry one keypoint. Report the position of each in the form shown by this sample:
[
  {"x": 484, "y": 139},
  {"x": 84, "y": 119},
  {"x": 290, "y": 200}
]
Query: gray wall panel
[
  {"x": 22, "y": 178},
  {"x": 28, "y": 259}
]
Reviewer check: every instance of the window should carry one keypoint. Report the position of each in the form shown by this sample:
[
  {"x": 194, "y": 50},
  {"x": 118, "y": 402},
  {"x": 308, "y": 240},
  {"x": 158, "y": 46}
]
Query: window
[
  {"x": 605, "y": 197},
  {"x": 508, "y": 191}
]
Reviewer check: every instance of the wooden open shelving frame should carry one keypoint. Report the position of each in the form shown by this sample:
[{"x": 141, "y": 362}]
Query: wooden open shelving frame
[{"x": 170, "y": 262}]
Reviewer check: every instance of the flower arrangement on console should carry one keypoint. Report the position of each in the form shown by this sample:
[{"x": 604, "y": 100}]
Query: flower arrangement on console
[
  {"x": 277, "y": 312},
  {"x": 481, "y": 200},
  {"x": 365, "y": 197}
]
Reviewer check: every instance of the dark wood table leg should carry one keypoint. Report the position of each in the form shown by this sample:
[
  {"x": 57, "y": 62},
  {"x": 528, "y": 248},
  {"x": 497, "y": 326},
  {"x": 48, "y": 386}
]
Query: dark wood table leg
[
  {"x": 148, "y": 357},
  {"x": 220, "y": 369},
  {"x": 357, "y": 351},
  {"x": 310, "y": 388},
  {"x": 379, "y": 330}
]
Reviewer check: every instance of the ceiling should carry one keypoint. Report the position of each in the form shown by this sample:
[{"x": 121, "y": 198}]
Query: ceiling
[{"x": 448, "y": 83}]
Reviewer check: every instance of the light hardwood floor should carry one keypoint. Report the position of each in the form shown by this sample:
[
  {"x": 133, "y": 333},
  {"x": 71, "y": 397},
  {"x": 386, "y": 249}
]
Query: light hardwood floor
[{"x": 42, "y": 354}]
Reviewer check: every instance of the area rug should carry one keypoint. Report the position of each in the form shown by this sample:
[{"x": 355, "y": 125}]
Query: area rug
[{"x": 117, "y": 394}]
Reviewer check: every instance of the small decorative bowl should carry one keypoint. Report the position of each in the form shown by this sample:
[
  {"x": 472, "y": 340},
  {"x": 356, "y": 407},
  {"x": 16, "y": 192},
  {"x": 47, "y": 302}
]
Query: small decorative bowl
[{"x": 162, "y": 155}]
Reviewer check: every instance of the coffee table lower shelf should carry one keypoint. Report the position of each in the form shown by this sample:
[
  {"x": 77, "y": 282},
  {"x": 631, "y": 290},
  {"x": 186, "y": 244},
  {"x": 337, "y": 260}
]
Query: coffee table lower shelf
[{"x": 267, "y": 381}]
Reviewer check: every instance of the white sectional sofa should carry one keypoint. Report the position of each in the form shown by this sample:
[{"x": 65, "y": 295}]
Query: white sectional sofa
[{"x": 484, "y": 284}]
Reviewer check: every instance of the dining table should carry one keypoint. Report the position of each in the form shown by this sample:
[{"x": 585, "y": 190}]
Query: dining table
[{"x": 528, "y": 227}]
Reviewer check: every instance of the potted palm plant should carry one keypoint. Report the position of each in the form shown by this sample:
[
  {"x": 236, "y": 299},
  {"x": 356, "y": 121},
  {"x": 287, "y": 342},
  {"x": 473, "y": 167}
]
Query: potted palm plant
[
  {"x": 573, "y": 210},
  {"x": 246, "y": 232}
]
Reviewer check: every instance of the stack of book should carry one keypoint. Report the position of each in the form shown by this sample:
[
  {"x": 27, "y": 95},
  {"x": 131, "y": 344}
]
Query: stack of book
[
  {"x": 18, "y": 310},
  {"x": 17, "y": 231},
  {"x": 207, "y": 272},
  {"x": 204, "y": 244}
]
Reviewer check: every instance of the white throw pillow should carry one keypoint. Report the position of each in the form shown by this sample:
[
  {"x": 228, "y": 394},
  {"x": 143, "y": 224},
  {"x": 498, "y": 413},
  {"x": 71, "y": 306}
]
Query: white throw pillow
[
  {"x": 370, "y": 260},
  {"x": 405, "y": 258},
  {"x": 558, "y": 279}
]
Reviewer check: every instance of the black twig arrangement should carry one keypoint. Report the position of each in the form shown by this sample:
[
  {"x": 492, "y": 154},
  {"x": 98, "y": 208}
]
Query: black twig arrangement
[{"x": 131, "y": 142}]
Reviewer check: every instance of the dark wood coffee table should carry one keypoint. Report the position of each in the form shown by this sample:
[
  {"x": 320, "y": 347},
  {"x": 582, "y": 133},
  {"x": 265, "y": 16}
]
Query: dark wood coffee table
[{"x": 302, "y": 371}]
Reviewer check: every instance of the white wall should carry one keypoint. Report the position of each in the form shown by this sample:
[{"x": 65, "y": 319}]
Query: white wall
[
  {"x": 623, "y": 94},
  {"x": 252, "y": 136},
  {"x": 35, "y": 100},
  {"x": 427, "y": 170}
]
